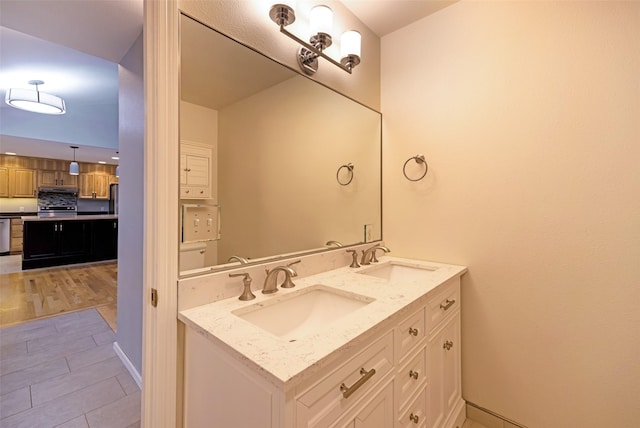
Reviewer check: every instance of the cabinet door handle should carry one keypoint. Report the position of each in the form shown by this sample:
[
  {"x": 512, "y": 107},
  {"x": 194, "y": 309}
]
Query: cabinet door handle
[
  {"x": 348, "y": 390},
  {"x": 413, "y": 331},
  {"x": 413, "y": 375},
  {"x": 414, "y": 418},
  {"x": 447, "y": 345},
  {"x": 447, "y": 304}
]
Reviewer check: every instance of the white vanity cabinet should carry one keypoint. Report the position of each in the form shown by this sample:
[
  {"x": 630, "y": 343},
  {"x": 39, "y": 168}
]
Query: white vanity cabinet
[{"x": 403, "y": 372}]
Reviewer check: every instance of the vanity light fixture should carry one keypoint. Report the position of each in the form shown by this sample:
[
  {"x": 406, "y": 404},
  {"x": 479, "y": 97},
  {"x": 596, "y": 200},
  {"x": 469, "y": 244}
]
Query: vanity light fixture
[
  {"x": 34, "y": 100},
  {"x": 320, "y": 22},
  {"x": 74, "y": 168}
]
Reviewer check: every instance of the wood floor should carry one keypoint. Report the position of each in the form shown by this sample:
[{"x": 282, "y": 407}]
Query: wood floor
[{"x": 41, "y": 293}]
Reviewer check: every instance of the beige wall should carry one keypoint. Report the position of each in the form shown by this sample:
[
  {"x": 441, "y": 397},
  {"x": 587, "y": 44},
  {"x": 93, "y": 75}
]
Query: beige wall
[
  {"x": 200, "y": 125},
  {"x": 278, "y": 187},
  {"x": 529, "y": 116},
  {"x": 248, "y": 21}
]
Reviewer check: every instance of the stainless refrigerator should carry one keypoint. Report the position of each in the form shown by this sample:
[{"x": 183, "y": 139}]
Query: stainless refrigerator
[{"x": 113, "y": 199}]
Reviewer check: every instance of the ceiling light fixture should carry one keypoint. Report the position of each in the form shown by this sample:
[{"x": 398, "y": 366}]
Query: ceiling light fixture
[
  {"x": 74, "y": 168},
  {"x": 321, "y": 22},
  {"x": 35, "y": 101}
]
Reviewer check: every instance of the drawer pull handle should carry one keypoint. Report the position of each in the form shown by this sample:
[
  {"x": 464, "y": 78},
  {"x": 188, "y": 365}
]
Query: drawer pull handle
[
  {"x": 414, "y": 418},
  {"x": 348, "y": 390},
  {"x": 413, "y": 374},
  {"x": 413, "y": 331},
  {"x": 447, "y": 345},
  {"x": 447, "y": 304}
]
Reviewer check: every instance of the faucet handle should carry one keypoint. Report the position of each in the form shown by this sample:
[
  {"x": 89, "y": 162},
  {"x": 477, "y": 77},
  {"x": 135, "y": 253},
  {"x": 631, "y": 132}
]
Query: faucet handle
[
  {"x": 246, "y": 280},
  {"x": 354, "y": 259},
  {"x": 288, "y": 283}
]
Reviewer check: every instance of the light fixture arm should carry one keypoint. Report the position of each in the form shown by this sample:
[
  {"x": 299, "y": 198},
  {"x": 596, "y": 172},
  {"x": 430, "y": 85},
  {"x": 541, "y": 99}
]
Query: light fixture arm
[{"x": 315, "y": 52}]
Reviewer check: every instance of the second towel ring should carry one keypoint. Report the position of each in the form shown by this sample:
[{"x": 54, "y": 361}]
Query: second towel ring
[
  {"x": 419, "y": 160},
  {"x": 349, "y": 167}
]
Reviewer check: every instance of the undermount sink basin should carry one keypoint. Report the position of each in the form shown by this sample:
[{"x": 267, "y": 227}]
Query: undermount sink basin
[
  {"x": 396, "y": 271},
  {"x": 301, "y": 313}
]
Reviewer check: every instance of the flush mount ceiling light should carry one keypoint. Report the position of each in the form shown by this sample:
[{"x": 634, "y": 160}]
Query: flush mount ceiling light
[
  {"x": 320, "y": 22},
  {"x": 74, "y": 168},
  {"x": 34, "y": 100}
]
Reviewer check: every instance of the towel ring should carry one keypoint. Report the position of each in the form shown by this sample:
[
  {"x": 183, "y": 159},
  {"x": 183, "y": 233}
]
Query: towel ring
[
  {"x": 349, "y": 167},
  {"x": 419, "y": 160}
]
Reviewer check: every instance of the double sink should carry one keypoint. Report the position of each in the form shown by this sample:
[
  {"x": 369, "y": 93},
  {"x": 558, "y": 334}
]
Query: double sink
[{"x": 304, "y": 312}]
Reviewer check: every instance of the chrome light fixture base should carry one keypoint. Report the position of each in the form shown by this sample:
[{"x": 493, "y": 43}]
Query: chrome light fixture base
[
  {"x": 308, "y": 61},
  {"x": 350, "y": 61},
  {"x": 282, "y": 14}
]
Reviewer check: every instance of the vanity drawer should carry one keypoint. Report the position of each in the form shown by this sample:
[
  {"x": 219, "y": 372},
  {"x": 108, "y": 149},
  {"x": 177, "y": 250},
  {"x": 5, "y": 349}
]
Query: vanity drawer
[
  {"x": 325, "y": 402},
  {"x": 416, "y": 414},
  {"x": 443, "y": 303},
  {"x": 410, "y": 333},
  {"x": 412, "y": 377}
]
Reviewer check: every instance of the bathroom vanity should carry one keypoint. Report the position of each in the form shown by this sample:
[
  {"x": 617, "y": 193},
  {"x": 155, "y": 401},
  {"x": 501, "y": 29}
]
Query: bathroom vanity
[{"x": 376, "y": 346}]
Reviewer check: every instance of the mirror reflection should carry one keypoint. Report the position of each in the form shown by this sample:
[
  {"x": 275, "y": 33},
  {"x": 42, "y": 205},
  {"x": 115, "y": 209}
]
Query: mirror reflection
[{"x": 271, "y": 162}]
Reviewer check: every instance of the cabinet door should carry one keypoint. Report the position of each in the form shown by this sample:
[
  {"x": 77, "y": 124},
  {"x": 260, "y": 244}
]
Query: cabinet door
[
  {"x": 101, "y": 186},
  {"x": 67, "y": 180},
  {"x": 73, "y": 237},
  {"x": 47, "y": 178},
  {"x": 198, "y": 171},
  {"x": 4, "y": 182},
  {"x": 443, "y": 369},
  {"x": 40, "y": 239},
  {"x": 378, "y": 412},
  {"x": 104, "y": 239},
  {"x": 86, "y": 185},
  {"x": 25, "y": 183}
]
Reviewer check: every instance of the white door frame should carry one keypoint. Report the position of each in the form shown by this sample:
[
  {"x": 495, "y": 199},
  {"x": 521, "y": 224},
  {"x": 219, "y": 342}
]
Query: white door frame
[{"x": 161, "y": 153}]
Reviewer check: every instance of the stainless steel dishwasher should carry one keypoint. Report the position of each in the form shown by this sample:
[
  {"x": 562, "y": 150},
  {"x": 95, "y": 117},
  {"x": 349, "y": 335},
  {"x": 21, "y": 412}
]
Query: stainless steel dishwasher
[{"x": 5, "y": 236}]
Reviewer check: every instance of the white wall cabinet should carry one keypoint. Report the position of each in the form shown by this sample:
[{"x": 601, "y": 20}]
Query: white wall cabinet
[
  {"x": 416, "y": 382},
  {"x": 195, "y": 171}
]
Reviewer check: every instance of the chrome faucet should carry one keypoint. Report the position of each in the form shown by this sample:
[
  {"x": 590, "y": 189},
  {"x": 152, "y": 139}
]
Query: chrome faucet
[
  {"x": 270, "y": 282},
  {"x": 287, "y": 283},
  {"x": 369, "y": 255},
  {"x": 242, "y": 260}
]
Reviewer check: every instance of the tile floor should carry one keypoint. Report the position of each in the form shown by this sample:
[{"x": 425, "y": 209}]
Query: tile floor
[
  {"x": 10, "y": 264},
  {"x": 63, "y": 372}
]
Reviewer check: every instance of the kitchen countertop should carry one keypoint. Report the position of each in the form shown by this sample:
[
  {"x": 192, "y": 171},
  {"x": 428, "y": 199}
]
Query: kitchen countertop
[
  {"x": 282, "y": 361},
  {"x": 76, "y": 217}
]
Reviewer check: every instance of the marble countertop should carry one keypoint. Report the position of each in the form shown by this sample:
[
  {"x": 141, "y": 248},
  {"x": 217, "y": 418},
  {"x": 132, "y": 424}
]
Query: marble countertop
[
  {"x": 76, "y": 217},
  {"x": 284, "y": 362}
]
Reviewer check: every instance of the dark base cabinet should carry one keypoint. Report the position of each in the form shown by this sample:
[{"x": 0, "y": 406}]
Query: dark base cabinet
[{"x": 62, "y": 242}]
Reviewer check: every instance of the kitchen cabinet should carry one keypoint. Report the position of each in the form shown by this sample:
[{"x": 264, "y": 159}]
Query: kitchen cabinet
[
  {"x": 17, "y": 182},
  {"x": 15, "y": 246},
  {"x": 104, "y": 239},
  {"x": 4, "y": 182},
  {"x": 94, "y": 185},
  {"x": 54, "y": 242},
  {"x": 405, "y": 375},
  {"x": 195, "y": 171},
  {"x": 47, "y": 178},
  {"x": 55, "y": 238}
]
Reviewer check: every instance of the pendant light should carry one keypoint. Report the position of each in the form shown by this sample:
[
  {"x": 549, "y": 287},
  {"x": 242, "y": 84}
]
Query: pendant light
[
  {"x": 35, "y": 101},
  {"x": 74, "y": 168}
]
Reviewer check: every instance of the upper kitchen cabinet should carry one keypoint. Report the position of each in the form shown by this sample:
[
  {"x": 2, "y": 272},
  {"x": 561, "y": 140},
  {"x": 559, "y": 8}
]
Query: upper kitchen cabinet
[
  {"x": 195, "y": 171},
  {"x": 56, "y": 179},
  {"x": 17, "y": 177},
  {"x": 94, "y": 185}
]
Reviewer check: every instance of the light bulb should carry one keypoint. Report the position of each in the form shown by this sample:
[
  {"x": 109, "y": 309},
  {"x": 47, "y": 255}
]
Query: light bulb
[
  {"x": 350, "y": 44},
  {"x": 321, "y": 20}
]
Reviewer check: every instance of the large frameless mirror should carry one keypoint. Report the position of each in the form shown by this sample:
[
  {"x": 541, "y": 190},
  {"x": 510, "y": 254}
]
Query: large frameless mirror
[{"x": 271, "y": 162}]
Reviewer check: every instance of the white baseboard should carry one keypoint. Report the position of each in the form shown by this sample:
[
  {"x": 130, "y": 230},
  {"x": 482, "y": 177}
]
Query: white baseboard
[{"x": 127, "y": 363}]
